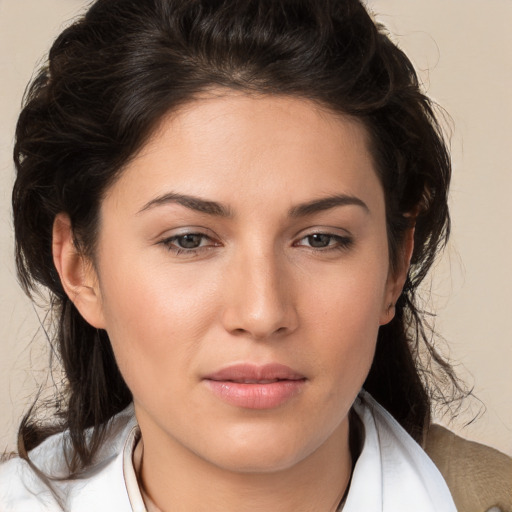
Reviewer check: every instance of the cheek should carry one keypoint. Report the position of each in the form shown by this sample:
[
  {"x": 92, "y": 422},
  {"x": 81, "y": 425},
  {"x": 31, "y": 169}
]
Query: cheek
[
  {"x": 350, "y": 296},
  {"x": 343, "y": 312},
  {"x": 155, "y": 320}
]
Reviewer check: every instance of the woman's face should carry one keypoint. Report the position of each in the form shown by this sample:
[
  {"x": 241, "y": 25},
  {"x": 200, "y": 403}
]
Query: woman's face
[{"x": 242, "y": 275}]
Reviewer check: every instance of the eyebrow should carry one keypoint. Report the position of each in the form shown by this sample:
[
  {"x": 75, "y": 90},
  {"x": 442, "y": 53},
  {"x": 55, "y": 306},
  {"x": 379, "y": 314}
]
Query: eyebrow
[
  {"x": 220, "y": 210},
  {"x": 192, "y": 202},
  {"x": 326, "y": 203}
]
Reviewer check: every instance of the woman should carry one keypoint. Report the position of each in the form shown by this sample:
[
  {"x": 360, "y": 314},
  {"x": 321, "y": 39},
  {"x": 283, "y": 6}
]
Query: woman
[{"x": 232, "y": 205}]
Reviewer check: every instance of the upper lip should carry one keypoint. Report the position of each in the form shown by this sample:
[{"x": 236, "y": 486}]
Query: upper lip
[{"x": 251, "y": 373}]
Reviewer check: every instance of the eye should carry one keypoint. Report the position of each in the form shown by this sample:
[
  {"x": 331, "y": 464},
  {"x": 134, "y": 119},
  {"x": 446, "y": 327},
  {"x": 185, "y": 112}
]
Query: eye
[
  {"x": 319, "y": 240},
  {"x": 188, "y": 243},
  {"x": 325, "y": 241}
]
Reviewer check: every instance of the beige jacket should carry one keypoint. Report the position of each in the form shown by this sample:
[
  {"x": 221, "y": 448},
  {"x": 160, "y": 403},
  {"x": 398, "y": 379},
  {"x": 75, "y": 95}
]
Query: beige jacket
[{"x": 479, "y": 477}]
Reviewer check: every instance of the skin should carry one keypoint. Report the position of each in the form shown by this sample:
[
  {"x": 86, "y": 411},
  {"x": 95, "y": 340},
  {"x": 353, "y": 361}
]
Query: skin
[{"x": 259, "y": 289}]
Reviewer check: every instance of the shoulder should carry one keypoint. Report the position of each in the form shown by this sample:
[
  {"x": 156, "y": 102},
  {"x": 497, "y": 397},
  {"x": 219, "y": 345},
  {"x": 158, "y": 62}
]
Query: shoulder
[
  {"x": 22, "y": 491},
  {"x": 44, "y": 484},
  {"x": 479, "y": 477}
]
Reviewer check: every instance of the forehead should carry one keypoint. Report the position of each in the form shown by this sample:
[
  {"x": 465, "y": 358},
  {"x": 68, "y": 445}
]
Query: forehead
[{"x": 265, "y": 148}]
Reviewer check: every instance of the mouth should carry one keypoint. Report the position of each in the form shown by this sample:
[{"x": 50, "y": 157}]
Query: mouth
[
  {"x": 255, "y": 387},
  {"x": 254, "y": 381}
]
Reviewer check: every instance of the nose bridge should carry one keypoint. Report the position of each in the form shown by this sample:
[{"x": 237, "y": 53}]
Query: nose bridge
[{"x": 259, "y": 299}]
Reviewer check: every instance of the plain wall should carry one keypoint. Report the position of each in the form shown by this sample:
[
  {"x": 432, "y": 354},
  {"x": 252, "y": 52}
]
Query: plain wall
[{"x": 462, "y": 50}]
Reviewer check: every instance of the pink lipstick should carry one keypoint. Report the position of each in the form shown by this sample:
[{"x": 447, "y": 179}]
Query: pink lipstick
[{"x": 255, "y": 387}]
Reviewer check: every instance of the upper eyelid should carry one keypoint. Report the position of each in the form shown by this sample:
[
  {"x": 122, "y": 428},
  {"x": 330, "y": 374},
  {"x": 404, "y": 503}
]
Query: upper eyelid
[
  {"x": 332, "y": 235},
  {"x": 186, "y": 230},
  {"x": 323, "y": 230},
  {"x": 188, "y": 233}
]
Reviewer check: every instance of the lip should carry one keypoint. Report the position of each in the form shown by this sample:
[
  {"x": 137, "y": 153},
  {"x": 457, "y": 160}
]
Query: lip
[{"x": 255, "y": 387}]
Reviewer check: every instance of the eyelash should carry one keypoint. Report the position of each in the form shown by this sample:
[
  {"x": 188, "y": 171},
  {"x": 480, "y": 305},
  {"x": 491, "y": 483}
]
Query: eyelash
[
  {"x": 169, "y": 244},
  {"x": 341, "y": 243}
]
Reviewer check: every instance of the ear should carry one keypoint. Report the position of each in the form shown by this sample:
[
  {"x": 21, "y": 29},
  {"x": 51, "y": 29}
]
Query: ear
[
  {"x": 397, "y": 277},
  {"x": 77, "y": 274}
]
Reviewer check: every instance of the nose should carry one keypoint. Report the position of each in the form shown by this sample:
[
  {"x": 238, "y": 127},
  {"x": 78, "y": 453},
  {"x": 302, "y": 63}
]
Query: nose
[{"x": 260, "y": 297}]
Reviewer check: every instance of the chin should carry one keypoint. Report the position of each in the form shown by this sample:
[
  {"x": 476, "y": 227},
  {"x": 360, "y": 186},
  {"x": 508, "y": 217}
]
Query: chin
[
  {"x": 258, "y": 461},
  {"x": 264, "y": 451}
]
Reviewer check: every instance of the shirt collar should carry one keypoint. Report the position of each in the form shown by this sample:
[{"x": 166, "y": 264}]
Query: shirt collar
[{"x": 392, "y": 473}]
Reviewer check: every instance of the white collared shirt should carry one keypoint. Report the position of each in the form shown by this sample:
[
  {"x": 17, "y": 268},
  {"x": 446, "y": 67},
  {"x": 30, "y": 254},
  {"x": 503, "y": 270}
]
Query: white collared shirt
[{"x": 392, "y": 473}]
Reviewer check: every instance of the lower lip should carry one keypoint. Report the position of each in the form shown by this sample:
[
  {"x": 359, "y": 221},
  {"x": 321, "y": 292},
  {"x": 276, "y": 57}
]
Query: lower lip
[{"x": 256, "y": 396}]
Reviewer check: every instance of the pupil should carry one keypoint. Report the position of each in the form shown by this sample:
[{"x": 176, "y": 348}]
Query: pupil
[
  {"x": 189, "y": 241},
  {"x": 319, "y": 240}
]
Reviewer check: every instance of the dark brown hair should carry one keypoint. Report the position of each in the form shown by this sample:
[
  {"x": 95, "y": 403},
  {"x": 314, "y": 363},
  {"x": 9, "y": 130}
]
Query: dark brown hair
[{"x": 115, "y": 72}]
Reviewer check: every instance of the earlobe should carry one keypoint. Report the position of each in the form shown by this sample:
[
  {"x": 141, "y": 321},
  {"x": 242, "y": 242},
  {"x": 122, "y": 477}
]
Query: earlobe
[
  {"x": 397, "y": 278},
  {"x": 76, "y": 272}
]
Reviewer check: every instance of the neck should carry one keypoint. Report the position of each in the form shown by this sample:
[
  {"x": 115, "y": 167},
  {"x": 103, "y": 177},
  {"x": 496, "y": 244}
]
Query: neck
[{"x": 177, "y": 480}]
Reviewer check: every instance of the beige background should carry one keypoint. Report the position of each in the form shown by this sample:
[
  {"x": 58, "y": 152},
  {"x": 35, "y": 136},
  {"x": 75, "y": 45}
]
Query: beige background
[{"x": 462, "y": 49}]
